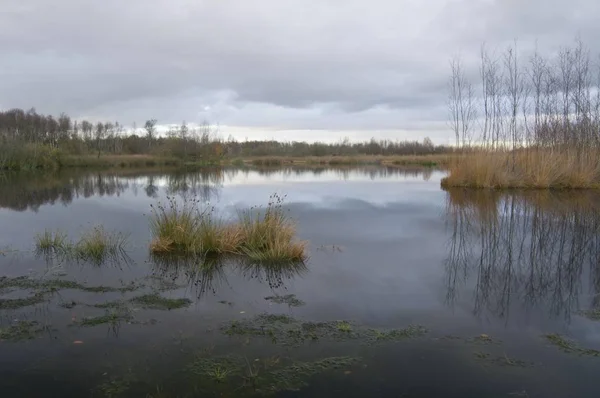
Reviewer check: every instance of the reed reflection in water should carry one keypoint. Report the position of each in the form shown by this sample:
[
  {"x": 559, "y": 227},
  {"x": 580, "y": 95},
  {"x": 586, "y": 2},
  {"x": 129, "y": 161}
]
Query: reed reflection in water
[{"x": 524, "y": 250}]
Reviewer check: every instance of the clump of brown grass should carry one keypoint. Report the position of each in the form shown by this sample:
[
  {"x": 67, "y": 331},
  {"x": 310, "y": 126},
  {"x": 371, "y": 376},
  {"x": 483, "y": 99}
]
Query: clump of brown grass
[
  {"x": 260, "y": 236},
  {"x": 186, "y": 229},
  {"x": 270, "y": 236},
  {"x": 527, "y": 168}
]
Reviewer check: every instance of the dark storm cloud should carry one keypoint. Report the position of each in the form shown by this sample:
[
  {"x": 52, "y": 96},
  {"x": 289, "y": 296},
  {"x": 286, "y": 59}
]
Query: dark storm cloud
[{"x": 283, "y": 63}]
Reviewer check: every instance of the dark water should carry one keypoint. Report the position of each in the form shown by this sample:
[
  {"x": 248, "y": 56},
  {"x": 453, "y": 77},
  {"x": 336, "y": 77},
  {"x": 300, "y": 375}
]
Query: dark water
[{"x": 487, "y": 274}]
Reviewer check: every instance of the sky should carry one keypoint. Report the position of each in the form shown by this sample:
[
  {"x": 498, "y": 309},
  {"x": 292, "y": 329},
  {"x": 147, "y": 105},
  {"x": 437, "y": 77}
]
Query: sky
[{"x": 268, "y": 69}]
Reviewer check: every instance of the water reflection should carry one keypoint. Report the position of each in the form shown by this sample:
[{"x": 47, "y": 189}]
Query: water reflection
[
  {"x": 524, "y": 249},
  {"x": 29, "y": 191},
  {"x": 207, "y": 275}
]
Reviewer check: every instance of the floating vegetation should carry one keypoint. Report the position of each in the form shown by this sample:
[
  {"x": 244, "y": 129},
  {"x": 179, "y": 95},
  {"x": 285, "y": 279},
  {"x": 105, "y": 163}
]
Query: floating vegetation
[
  {"x": 593, "y": 315},
  {"x": 157, "y": 302},
  {"x": 13, "y": 304},
  {"x": 216, "y": 368},
  {"x": 43, "y": 288},
  {"x": 263, "y": 376},
  {"x": 408, "y": 332},
  {"x": 343, "y": 327},
  {"x": 285, "y": 330},
  {"x": 570, "y": 346},
  {"x": 289, "y": 299},
  {"x": 502, "y": 360},
  {"x": 259, "y": 236},
  {"x": 484, "y": 339},
  {"x": 229, "y": 303},
  {"x": 114, "y": 388},
  {"x": 95, "y": 246},
  {"x": 21, "y": 330},
  {"x": 112, "y": 318},
  {"x": 53, "y": 285},
  {"x": 295, "y": 376}
]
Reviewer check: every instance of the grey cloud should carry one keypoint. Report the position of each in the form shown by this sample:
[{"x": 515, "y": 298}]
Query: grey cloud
[{"x": 282, "y": 63}]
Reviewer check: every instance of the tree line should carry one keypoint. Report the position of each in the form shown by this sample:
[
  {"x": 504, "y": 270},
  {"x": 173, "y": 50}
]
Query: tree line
[{"x": 21, "y": 129}]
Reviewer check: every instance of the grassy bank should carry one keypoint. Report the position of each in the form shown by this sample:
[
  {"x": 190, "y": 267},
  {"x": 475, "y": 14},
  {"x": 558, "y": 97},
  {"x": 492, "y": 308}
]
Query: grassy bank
[
  {"x": 526, "y": 168},
  {"x": 403, "y": 160},
  {"x": 42, "y": 157},
  {"x": 184, "y": 229}
]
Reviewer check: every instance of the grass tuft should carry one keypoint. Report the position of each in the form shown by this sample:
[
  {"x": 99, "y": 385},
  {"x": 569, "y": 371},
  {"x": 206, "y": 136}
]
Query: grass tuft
[
  {"x": 263, "y": 237},
  {"x": 98, "y": 244},
  {"x": 95, "y": 246},
  {"x": 183, "y": 228},
  {"x": 269, "y": 237},
  {"x": 49, "y": 241}
]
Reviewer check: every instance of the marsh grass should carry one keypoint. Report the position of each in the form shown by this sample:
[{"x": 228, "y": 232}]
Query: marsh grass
[
  {"x": 184, "y": 228},
  {"x": 269, "y": 236},
  {"x": 96, "y": 246},
  {"x": 50, "y": 241},
  {"x": 527, "y": 168},
  {"x": 260, "y": 236}
]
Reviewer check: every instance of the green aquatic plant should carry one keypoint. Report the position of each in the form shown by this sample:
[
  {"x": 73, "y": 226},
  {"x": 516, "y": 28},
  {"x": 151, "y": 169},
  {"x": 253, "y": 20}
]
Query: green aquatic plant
[
  {"x": 13, "y": 304},
  {"x": 569, "y": 346},
  {"x": 157, "y": 302},
  {"x": 95, "y": 246},
  {"x": 408, "y": 332},
  {"x": 114, "y": 388},
  {"x": 99, "y": 244},
  {"x": 21, "y": 330},
  {"x": 285, "y": 330},
  {"x": 113, "y": 318},
  {"x": 296, "y": 376},
  {"x": 289, "y": 299},
  {"x": 50, "y": 241},
  {"x": 343, "y": 327}
]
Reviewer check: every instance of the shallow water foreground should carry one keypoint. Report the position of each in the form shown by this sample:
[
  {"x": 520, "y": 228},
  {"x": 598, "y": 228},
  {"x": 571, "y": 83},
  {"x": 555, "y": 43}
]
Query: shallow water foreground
[{"x": 409, "y": 291}]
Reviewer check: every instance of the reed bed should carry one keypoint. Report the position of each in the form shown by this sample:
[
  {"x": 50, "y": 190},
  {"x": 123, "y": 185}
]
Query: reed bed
[{"x": 527, "y": 168}]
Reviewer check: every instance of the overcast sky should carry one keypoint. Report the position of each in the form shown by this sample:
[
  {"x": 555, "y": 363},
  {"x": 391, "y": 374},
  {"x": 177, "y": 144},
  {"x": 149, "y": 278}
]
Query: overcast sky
[{"x": 283, "y": 69}]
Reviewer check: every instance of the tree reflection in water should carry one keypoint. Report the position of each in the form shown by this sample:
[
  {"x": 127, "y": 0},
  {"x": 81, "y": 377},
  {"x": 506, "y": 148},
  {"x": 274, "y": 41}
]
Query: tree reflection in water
[{"x": 524, "y": 250}]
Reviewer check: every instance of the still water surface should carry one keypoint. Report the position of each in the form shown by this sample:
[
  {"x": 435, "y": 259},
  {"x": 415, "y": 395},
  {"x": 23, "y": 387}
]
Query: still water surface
[{"x": 487, "y": 274}]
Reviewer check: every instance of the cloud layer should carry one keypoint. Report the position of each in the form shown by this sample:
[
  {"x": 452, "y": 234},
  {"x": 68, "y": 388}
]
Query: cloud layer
[{"x": 291, "y": 65}]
